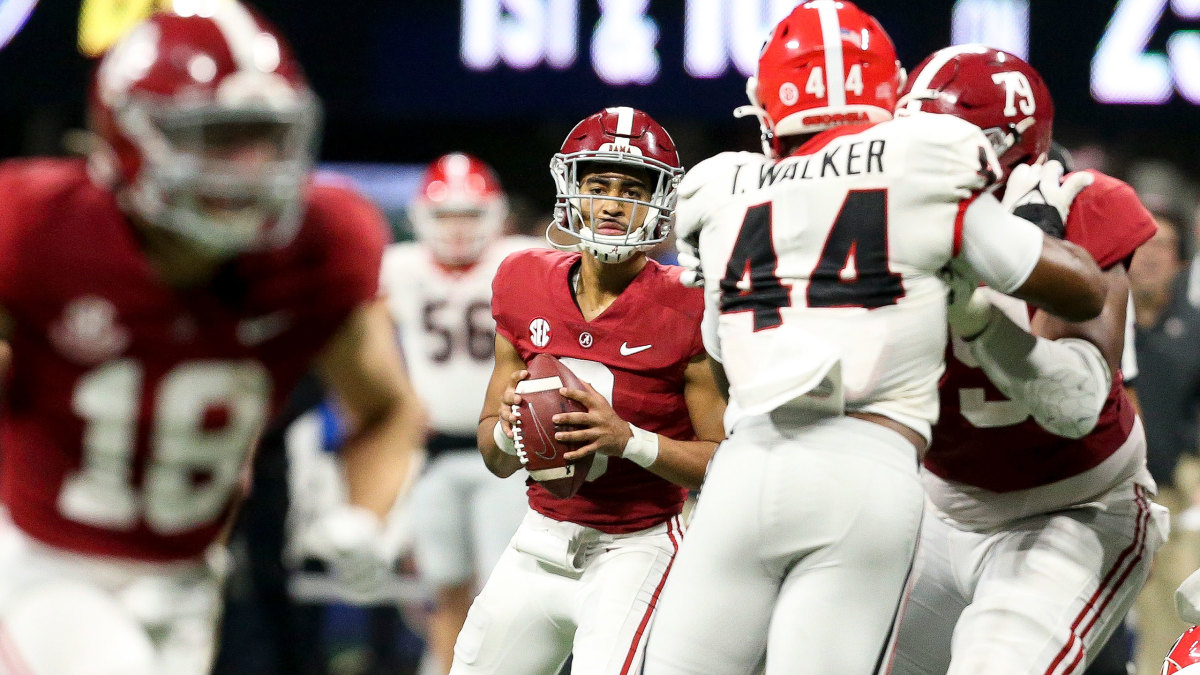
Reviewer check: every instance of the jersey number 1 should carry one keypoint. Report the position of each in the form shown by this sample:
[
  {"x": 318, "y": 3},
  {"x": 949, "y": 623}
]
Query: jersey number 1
[{"x": 851, "y": 272}]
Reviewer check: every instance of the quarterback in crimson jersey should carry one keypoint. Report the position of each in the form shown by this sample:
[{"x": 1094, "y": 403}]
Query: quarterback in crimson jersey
[
  {"x": 582, "y": 574},
  {"x": 161, "y": 300},
  {"x": 1041, "y": 532}
]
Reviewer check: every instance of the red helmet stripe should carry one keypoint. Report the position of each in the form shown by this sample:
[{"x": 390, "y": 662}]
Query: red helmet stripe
[{"x": 835, "y": 69}]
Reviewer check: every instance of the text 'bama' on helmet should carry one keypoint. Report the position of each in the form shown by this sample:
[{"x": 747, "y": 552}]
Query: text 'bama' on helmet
[
  {"x": 826, "y": 64},
  {"x": 994, "y": 90},
  {"x": 458, "y": 209},
  {"x": 209, "y": 127},
  {"x": 637, "y": 157}
]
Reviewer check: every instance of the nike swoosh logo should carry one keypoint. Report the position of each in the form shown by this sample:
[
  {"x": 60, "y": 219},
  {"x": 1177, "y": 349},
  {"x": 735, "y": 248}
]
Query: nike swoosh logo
[{"x": 626, "y": 350}]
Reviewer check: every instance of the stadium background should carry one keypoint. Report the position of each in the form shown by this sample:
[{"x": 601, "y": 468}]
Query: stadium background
[{"x": 404, "y": 81}]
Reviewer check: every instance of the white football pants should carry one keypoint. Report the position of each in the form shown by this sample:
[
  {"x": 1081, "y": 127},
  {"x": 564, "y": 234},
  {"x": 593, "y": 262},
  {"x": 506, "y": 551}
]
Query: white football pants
[
  {"x": 68, "y": 614},
  {"x": 797, "y": 555},
  {"x": 529, "y": 618},
  {"x": 1041, "y": 595}
]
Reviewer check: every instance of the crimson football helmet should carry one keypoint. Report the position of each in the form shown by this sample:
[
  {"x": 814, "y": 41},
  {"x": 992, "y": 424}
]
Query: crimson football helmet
[
  {"x": 628, "y": 141},
  {"x": 994, "y": 90},
  {"x": 458, "y": 209},
  {"x": 210, "y": 128},
  {"x": 827, "y": 63},
  {"x": 1184, "y": 657}
]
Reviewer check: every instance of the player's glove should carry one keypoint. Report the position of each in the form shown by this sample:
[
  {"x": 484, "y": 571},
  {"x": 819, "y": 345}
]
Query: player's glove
[
  {"x": 967, "y": 311},
  {"x": 1187, "y": 599},
  {"x": 1038, "y": 193},
  {"x": 689, "y": 258},
  {"x": 349, "y": 540}
]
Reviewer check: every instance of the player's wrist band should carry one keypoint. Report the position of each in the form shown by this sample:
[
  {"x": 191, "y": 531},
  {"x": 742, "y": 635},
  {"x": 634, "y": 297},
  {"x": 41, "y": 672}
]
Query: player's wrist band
[
  {"x": 642, "y": 447},
  {"x": 507, "y": 445}
]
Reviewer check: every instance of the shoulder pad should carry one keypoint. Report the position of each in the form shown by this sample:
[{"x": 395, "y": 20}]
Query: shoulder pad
[{"x": 712, "y": 169}]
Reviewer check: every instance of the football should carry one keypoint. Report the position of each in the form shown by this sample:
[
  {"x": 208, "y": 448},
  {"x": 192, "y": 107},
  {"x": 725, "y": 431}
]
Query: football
[{"x": 534, "y": 431}]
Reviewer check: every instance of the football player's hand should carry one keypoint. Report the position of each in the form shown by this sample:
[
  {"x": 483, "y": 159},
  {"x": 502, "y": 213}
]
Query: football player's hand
[
  {"x": 349, "y": 540},
  {"x": 509, "y": 400},
  {"x": 689, "y": 258},
  {"x": 1038, "y": 193},
  {"x": 1187, "y": 599},
  {"x": 603, "y": 430},
  {"x": 967, "y": 310}
]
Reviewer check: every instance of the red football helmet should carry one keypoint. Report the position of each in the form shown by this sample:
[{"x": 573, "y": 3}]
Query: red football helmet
[
  {"x": 209, "y": 124},
  {"x": 995, "y": 91},
  {"x": 1184, "y": 657},
  {"x": 825, "y": 64},
  {"x": 632, "y": 142},
  {"x": 459, "y": 208}
]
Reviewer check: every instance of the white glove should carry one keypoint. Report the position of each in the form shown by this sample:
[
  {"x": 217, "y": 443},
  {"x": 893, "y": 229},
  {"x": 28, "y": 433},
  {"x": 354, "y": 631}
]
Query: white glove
[
  {"x": 967, "y": 310},
  {"x": 689, "y": 258},
  {"x": 1032, "y": 188},
  {"x": 1187, "y": 599},
  {"x": 349, "y": 540}
]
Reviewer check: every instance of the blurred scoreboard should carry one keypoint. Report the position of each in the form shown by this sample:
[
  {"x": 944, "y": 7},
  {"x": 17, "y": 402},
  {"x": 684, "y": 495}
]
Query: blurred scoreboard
[
  {"x": 1135, "y": 62},
  {"x": 720, "y": 36}
]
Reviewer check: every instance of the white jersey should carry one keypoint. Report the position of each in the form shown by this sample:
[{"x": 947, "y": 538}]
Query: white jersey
[
  {"x": 446, "y": 328},
  {"x": 821, "y": 269}
]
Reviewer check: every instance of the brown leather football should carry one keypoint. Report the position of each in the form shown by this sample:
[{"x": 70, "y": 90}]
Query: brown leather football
[{"x": 534, "y": 432}]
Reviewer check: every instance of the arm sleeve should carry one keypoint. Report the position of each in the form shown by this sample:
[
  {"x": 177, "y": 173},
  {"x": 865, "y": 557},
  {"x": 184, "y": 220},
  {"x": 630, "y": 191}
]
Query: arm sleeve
[
  {"x": 1063, "y": 383},
  {"x": 709, "y": 324},
  {"x": 1129, "y": 365},
  {"x": 1002, "y": 248}
]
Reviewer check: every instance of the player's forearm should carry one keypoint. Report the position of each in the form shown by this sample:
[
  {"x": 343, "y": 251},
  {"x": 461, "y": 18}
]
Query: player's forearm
[
  {"x": 1063, "y": 383},
  {"x": 682, "y": 462},
  {"x": 497, "y": 461},
  {"x": 382, "y": 458}
]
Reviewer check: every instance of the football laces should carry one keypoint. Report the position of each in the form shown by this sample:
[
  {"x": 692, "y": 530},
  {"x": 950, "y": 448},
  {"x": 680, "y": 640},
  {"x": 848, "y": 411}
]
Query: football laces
[{"x": 519, "y": 439}]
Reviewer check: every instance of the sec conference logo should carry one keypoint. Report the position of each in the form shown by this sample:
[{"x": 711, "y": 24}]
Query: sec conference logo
[{"x": 539, "y": 332}]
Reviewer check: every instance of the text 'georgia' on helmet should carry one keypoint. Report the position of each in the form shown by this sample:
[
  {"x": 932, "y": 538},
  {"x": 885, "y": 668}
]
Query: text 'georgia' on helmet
[
  {"x": 992, "y": 89},
  {"x": 826, "y": 64},
  {"x": 625, "y": 141},
  {"x": 459, "y": 208},
  {"x": 209, "y": 127}
]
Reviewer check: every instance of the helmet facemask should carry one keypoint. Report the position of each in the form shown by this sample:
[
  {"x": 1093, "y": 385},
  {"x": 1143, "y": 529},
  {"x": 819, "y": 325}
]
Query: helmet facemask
[
  {"x": 647, "y": 222},
  {"x": 458, "y": 236},
  {"x": 227, "y": 177}
]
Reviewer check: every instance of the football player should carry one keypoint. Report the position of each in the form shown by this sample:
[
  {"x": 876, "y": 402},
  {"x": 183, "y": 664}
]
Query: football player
[
  {"x": 1041, "y": 530},
  {"x": 439, "y": 292},
  {"x": 582, "y": 574},
  {"x": 822, "y": 263},
  {"x": 161, "y": 299}
]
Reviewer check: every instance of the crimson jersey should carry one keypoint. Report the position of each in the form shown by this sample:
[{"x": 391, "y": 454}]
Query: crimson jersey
[
  {"x": 130, "y": 407},
  {"x": 984, "y": 440},
  {"x": 634, "y": 353}
]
